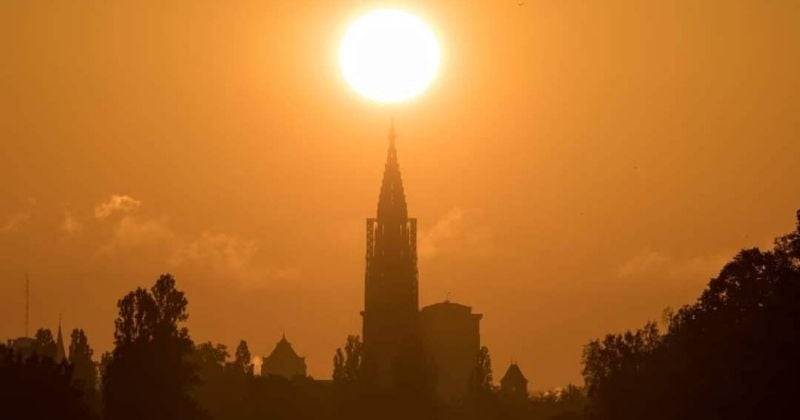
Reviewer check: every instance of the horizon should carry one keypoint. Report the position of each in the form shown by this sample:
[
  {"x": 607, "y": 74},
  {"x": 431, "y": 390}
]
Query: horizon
[{"x": 575, "y": 169}]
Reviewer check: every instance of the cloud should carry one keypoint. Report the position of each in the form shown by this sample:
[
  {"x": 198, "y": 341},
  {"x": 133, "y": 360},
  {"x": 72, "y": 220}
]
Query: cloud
[
  {"x": 70, "y": 225},
  {"x": 207, "y": 255},
  {"x": 644, "y": 263},
  {"x": 15, "y": 222},
  {"x": 219, "y": 253},
  {"x": 655, "y": 264},
  {"x": 445, "y": 229},
  {"x": 134, "y": 232},
  {"x": 138, "y": 241},
  {"x": 117, "y": 203},
  {"x": 458, "y": 232}
]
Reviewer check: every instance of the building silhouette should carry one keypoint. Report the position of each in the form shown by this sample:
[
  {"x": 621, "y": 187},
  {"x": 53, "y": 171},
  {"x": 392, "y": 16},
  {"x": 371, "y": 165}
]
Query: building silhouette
[
  {"x": 391, "y": 307},
  {"x": 23, "y": 346},
  {"x": 283, "y": 361},
  {"x": 60, "y": 353},
  {"x": 514, "y": 384},
  {"x": 448, "y": 333},
  {"x": 26, "y": 346}
]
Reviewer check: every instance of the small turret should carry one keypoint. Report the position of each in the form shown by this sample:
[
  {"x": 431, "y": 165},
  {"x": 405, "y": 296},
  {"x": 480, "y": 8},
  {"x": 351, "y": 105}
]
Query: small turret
[{"x": 514, "y": 385}]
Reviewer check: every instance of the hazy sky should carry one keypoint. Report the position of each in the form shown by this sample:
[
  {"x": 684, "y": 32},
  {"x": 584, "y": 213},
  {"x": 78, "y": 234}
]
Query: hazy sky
[{"x": 576, "y": 168}]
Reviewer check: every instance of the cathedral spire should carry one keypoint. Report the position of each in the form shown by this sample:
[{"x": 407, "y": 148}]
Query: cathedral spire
[
  {"x": 391, "y": 296},
  {"x": 392, "y": 200},
  {"x": 60, "y": 353}
]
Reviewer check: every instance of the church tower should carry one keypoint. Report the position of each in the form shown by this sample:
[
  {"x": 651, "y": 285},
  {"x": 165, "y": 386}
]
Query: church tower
[
  {"x": 391, "y": 308},
  {"x": 60, "y": 353}
]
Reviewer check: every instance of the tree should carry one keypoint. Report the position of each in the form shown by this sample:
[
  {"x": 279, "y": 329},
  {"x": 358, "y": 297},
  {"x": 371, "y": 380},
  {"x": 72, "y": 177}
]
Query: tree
[
  {"x": 80, "y": 357},
  {"x": 45, "y": 345},
  {"x": 210, "y": 356},
  {"x": 36, "y": 387},
  {"x": 347, "y": 363},
  {"x": 481, "y": 380},
  {"x": 482, "y": 401},
  {"x": 732, "y": 354},
  {"x": 150, "y": 374},
  {"x": 242, "y": 361},
  {"x": 102, "y": 367},
  {"x": 214, "y": 392},
  {"x": 84, "y": 370},
  {"x": 615, "y": 368}
]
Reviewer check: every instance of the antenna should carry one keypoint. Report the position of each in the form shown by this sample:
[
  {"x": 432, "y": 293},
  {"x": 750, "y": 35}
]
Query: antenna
[{"x": 27, "y": 302}]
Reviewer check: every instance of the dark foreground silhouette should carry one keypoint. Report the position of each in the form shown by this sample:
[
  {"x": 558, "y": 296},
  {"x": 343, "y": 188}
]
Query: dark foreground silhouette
[{"x": 733, "y": 354}]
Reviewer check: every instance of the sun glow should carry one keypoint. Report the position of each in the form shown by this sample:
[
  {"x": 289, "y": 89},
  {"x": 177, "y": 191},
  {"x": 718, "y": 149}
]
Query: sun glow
[{"x": 389, "y": 55}]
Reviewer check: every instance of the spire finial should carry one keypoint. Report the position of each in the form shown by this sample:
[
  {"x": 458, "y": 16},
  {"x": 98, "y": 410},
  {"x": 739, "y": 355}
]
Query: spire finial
[
  {"x": 391, "y": 202},
  {"x": 392, "y": 134}
]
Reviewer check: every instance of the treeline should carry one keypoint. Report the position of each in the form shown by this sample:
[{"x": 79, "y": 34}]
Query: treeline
[
  {"x": 733, "y": 354},
  {"x": 413, "y": 395},
  {"x": 35, "y": 386},
  {"x": 156, "y": 371}
]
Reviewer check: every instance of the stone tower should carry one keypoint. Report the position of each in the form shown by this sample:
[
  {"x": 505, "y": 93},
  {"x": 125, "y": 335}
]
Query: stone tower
[
  {"x": 450, "y": 335},
  {"x": 391, "y": 308}
]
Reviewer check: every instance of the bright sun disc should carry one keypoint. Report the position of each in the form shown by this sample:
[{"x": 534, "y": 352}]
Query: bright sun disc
[{"x": 389, "y": 55}]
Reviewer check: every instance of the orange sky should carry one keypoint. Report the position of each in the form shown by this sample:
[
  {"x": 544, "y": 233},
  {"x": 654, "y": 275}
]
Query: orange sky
[{"x": 576, "y": 167}]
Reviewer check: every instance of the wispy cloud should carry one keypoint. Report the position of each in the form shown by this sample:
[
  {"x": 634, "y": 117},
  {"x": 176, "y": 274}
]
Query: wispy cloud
[
  {"x": 116, "y": 204},
  {"x": 459, "y": 231},
  {"x": 15, "y": 222},
  {"x": 70, "y": 224},
  {"x": 207, "y": 254},
  {"x": 220, "y": 254},
  {"x": 657, "y": 264}
]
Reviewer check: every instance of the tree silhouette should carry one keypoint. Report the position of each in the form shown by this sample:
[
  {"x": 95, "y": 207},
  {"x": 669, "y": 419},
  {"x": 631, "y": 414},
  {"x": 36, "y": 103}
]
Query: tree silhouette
[
  {"x": 347, "y": 363},
  {"x": 214, "y": 393},
  {"x": 242, "y": 360},
  {"x": 45, "y": 345},
  {"x": 615, "y": 368},
  {"x": 84, "y": 370},
  {"x": 732, "y": 354},
  {"x": 150, "y": 374},
  {"x": 36, "y": 387},
  {"x": 481, "y": 379}
]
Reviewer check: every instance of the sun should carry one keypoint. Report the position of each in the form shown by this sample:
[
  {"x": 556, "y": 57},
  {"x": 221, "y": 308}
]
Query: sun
[{"x": 389, "y": 55}]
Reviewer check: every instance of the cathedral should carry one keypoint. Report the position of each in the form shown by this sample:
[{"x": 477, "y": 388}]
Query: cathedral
[{"x": 447, "y": 333}]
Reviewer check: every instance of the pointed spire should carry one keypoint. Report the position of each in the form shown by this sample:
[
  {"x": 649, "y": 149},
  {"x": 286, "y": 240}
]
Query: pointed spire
[
  {"x": 392, "y": 200},
  {"x": 391, "y": 134},
  {"x": 60, "y": 353}
]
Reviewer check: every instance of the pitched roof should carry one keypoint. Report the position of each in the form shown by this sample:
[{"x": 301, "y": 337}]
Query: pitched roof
[
  {"x": 283, "y": 349},
  {"x": 513, "y": 374}
]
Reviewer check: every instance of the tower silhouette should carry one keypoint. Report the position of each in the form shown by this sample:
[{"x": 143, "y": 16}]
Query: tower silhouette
[
  {"x": 391, "y": 303},
  {"x": 61, "y": 354}
]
